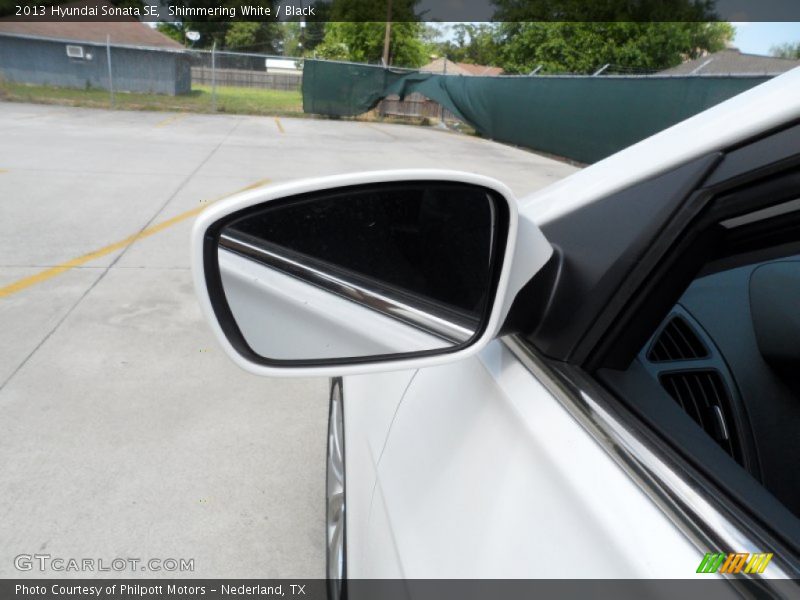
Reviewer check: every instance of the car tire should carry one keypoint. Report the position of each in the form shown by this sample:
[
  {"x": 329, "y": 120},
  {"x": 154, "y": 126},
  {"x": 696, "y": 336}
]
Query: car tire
[{"x": 335, "y": 538}]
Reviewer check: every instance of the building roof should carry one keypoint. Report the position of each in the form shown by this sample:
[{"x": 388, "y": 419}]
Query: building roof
[
  {"x": 732, "y": 61},
  {"x": 123, "y": 32},
  {"x": 454, "y": 68}
]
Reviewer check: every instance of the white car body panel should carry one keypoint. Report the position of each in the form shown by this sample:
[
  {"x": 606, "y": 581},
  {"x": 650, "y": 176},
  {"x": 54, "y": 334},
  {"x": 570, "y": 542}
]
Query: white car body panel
[{"x": 485, "y": 474}]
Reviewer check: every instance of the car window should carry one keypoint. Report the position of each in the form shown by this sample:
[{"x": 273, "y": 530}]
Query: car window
[{"x": 727, "y": 358}]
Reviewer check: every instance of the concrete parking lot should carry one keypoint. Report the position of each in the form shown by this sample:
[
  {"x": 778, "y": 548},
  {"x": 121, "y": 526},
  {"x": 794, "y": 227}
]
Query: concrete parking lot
[{"x": 124, "y": 431}]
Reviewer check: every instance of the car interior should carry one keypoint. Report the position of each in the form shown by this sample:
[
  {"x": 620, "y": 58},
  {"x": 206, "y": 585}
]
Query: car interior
[
  {"x": 728, "y": 356},
  {"x": 724, "y": 362}
]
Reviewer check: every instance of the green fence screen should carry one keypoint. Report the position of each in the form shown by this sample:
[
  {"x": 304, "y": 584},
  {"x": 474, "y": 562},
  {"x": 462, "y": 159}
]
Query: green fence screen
[{"x": 581, "y": 118}]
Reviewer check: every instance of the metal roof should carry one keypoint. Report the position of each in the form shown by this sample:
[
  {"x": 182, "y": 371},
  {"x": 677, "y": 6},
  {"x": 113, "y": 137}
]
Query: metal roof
[
  {"x": 732, "y": 61},
  {"x": 129, "y": 32}
]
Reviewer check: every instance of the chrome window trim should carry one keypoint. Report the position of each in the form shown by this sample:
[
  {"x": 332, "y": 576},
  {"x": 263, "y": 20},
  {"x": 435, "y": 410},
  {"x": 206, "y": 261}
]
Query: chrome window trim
[
  {"x": 677, "y": 492},
  {"x": 265, "y": 254}
]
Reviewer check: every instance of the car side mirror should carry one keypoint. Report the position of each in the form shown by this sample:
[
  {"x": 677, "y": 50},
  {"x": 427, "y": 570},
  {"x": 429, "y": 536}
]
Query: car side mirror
[{"x": 357, "y": 273}]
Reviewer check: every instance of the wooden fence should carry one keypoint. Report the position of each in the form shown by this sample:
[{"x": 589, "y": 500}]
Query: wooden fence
[
  {"x": 414, "y": 105},
  {"x": 248, "y": 78}
]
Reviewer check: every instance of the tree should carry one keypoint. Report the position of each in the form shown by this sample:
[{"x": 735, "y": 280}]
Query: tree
[
  {"x": 260, "y": 36},
  {"x": 475, "y": 43},
  {"x": 313, "y": 33},
  {"x": 356, "y": 32},
  {"x": 786, "y": 51},
  {"x": 176, "y": 31},
  {"x": 605, "y": 11},
  {"x": 583, "y": 47},
  {"x": 292, "y": 38},
  {"x": 242, "y": 34},
  {"x": 363, "y": 42}
]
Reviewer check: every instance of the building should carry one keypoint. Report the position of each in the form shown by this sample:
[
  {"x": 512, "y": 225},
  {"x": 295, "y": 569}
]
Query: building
[
  {"x": 445, "y": 66},
  {"x": 75, "y": 54},
  {"x": 733, "y": 62}
]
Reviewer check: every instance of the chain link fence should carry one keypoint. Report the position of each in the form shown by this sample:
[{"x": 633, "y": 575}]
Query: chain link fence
[
  {"x": 239, "y": 69},
  {"x": 247, "y": 82}
]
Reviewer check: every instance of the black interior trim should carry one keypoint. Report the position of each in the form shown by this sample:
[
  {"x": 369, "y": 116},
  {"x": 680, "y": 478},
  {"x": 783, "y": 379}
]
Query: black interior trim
[
  {"x": 689, "y": 251},
  {"x": 768, "y": 154}
]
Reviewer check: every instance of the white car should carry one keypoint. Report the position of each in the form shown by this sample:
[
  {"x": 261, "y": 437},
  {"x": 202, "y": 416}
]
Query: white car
[{"x": 601, "y": 380}]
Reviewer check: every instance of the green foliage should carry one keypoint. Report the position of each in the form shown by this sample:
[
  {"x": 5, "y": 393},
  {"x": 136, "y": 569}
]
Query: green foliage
[
  {"x": 313, "y": 33},
  {"x": 575, "y": 36},
  {"x": 363, "y": 42},
  {"x": 605, "y": 10},
  {"x": 476, "y": 43},
  {"x": 357, "y": 28},
  {"x": 786, "y": 51},
  {"x": 373, "y": 10},
  {"x": 256, "y": 36},
  {"x": 176, "y": 31},
  {"x": 586, "y": 46},
  {"x": 242, "y": 34},
  {"x": 264, "y": 37}
]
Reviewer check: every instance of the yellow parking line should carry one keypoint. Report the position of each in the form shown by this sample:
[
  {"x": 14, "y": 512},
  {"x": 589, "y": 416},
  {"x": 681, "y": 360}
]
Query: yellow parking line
[
  {"x": 169, "y": 120},
  {"x": 46, "y": 274},
  {"x": 3, "y": 170},
  {"x": 279, "y": 124},
  {"x": 39, "y": 115}
]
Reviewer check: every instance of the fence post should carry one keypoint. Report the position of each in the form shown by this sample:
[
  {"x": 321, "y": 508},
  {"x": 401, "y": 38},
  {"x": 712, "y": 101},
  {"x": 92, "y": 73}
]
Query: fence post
[
  {"x": 110, "y": 76},
  {"x": 441, "y": 106},
  {"x": 214, "y": 77}
]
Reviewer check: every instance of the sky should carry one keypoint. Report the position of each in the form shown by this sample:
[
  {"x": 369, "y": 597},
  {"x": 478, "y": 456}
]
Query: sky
[{"x": 758, "y": 38}]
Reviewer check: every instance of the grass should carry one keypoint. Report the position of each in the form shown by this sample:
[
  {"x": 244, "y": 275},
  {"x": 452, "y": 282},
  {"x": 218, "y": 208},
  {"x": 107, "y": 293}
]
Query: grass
[{"x": 236, "y": 100}]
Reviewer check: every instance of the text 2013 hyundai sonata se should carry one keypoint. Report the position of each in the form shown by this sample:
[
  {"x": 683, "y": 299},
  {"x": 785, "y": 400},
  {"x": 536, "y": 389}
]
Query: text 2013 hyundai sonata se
[{"x": 608, "y": 369}]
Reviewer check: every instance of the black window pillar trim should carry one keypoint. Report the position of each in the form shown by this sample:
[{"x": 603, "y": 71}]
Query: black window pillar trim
[{"x": 731, "y": 172}]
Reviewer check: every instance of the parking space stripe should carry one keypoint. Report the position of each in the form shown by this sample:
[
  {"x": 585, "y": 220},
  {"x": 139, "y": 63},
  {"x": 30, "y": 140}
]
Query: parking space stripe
[
  {"x": 169, "y": 120},
  {"x": 51, "y": 272},
  {"x": 279, "y": 124},
  {"x": 3, "y": 170},
  {"x": 39, "y": 115}
]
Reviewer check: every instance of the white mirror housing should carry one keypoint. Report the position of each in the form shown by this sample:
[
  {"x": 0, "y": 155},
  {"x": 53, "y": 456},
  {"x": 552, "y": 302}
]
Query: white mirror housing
[{"x": 280, "y": 312}]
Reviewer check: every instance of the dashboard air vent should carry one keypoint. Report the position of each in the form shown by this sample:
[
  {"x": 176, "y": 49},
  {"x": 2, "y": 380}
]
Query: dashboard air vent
[
  {"x": 706, "y": 399},
  {"x": 677, "y": 341}
]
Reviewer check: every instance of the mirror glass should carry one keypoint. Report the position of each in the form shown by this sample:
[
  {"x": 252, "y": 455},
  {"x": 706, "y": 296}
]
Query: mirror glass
[{"x": 363, "y": 271}]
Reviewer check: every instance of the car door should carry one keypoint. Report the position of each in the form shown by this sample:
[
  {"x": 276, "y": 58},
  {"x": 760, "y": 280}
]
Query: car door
[{"x": 486, "y": 474}]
